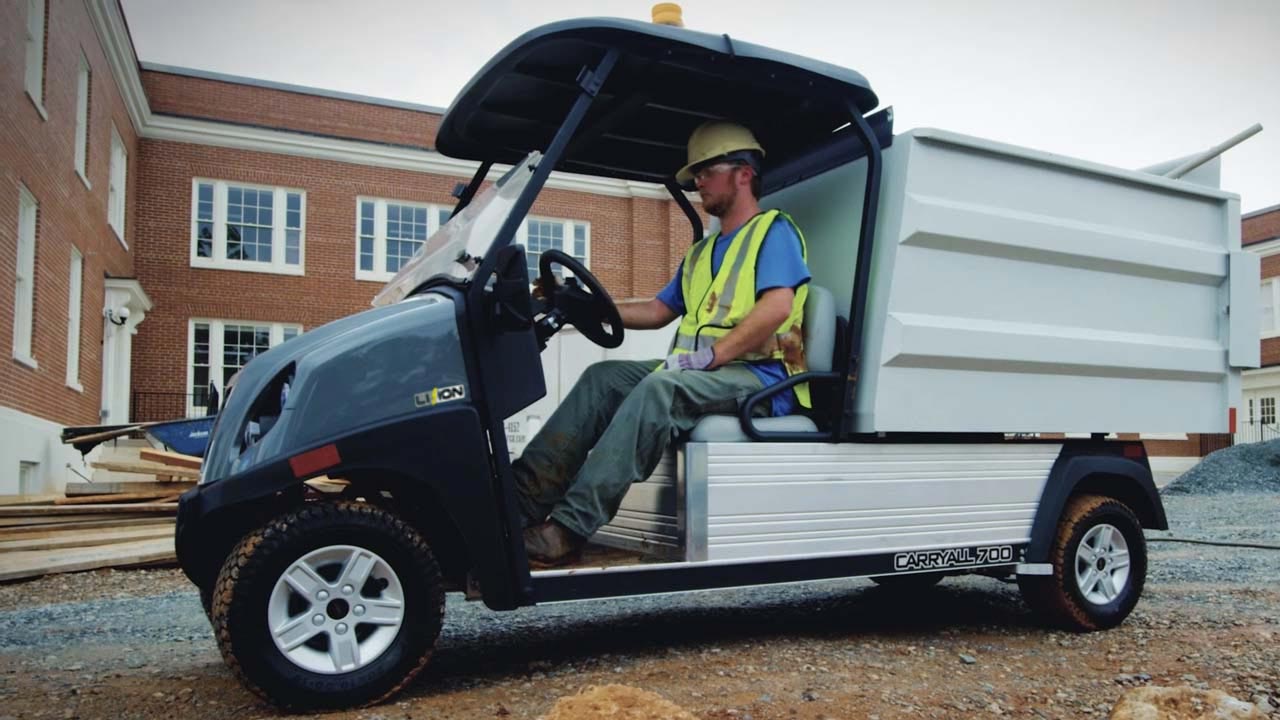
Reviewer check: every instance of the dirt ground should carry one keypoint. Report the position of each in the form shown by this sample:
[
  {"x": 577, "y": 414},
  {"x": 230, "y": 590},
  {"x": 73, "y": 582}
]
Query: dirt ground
[{"x": 134, "y": 644}]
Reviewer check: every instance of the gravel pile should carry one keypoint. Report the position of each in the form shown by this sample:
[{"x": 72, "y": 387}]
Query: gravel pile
[{"x": 1251, "y": 468}]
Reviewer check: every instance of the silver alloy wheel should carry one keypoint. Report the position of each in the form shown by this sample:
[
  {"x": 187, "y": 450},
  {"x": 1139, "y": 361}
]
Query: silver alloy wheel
[
  {"x": 1102, "y": 564},
  {"x": 340, "y": 626}
]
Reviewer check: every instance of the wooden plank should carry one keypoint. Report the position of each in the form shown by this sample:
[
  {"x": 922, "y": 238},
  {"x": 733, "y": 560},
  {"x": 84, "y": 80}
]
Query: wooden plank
[
  {"x": 86, "y": 538},
  {"x": 6, "y": 500},
  {"x": 107, "y": 435},
  {"x": 17, "y": 565},
  {"x": 146, "y": 468},
  {"x": 54, "y": 520},
  {"x": 79, "y": 489},
  {"x": 41, "y": 531},
  {"x": 171, "y": 458},
  {"x": 115, "y": 498},
  {"x": 57, "y": 510}
]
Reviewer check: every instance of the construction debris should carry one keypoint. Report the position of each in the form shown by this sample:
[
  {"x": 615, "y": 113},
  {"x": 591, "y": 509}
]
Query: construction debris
[{"x": 97, "y": 524}]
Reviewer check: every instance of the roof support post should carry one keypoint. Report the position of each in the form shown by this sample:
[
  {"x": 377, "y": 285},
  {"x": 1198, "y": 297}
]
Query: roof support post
[{"x": 862, "y": 270}]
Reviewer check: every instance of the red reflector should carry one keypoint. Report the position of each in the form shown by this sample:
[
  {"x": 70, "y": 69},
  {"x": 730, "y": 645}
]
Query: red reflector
[
  {"x": 313, "y": 461},
  {"x": 1231, "y": 420},
  {"x": 1134, "y": 451}
]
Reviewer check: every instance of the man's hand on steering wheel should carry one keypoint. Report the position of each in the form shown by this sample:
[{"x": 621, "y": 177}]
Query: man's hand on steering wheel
[{"x": 580, "y": 301}]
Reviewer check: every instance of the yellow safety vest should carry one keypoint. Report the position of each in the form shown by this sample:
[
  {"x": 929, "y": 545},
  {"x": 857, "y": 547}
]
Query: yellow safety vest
[{"x": 716, "y": 305}]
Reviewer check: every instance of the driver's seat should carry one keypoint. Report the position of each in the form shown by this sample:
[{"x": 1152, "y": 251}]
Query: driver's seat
[{"x": 819, "y": 347}]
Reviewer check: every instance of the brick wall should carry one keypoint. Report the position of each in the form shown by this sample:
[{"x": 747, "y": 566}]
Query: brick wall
[
  {"x": 192, "y": 97},
  {"x": 1258, "y": 228},
  {"x": 635, "y": 245},
  {"x": 40, "y": 154}
]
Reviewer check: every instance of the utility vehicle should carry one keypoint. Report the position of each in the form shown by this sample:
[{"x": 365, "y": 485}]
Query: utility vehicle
[{"x": 983, "y": 317}]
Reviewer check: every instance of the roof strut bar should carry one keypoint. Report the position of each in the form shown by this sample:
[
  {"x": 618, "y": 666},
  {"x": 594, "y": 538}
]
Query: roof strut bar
[
  {"x": 677, "y": 193},
  {"x": 845, "y": 370},
  {"x": 589, "y": 82}
]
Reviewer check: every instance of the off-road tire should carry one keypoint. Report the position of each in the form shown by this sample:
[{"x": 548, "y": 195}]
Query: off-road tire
[
  {"x": 904, "y": 582},
  {"x": 1058, "y": 598},
  {"x": 247, "y": 578}
]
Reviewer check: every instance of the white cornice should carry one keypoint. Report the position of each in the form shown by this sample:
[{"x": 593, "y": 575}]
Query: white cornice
[
  {"x": 1266, "y": 248},
  {"x": 108, "y": 22}
]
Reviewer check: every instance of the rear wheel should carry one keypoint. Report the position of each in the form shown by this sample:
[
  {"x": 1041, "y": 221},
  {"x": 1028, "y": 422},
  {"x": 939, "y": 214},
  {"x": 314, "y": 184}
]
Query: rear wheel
[
  {"x": 331, "y": 605},
  {"x": 1099, "y": 559}
]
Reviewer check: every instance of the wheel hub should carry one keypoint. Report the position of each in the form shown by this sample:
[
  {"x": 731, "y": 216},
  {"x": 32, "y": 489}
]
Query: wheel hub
[
  {"x": 1102, "y": 564},
  {"x": 336, "y": 609}
]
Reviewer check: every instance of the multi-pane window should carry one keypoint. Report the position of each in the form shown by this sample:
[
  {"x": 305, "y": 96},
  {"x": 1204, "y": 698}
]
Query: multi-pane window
[
  {"x": 73, "y": 318},
  {"x": 249, "y": 224},
  {"x": 247, "y": 227},
  {"x": 1267, "y": 407},
  {"x": 1269, "y": 301},
  {"x": 82, "y": 120},
  {"x": 541, "y": 234},
  {"x": 389, "y": 232},
  {"x": 25, "y": 286},
  {"x": 219, "y": 348},
  {"x": 116, "y": 184},
  {"x": 35, "y": 52}
]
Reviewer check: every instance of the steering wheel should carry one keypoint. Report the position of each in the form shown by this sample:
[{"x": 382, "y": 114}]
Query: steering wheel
[{"x": 586, "y": 305}]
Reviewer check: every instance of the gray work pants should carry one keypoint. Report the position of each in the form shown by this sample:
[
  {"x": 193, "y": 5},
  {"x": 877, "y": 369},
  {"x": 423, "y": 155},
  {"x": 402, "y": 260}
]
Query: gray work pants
[{"x": 625, "y": 415}]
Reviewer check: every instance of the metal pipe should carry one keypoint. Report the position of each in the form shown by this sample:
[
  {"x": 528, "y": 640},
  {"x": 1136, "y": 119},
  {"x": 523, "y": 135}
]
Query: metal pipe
[{"x": 1197, "y": 160}]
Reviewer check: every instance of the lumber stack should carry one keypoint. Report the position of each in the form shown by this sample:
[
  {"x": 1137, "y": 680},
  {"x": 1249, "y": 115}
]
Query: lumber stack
[{"x": 98, "y": 524}]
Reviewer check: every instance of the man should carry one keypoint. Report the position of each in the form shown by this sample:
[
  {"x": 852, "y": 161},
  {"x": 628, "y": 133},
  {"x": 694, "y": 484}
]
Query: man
[{"x": 740, "y": 296}]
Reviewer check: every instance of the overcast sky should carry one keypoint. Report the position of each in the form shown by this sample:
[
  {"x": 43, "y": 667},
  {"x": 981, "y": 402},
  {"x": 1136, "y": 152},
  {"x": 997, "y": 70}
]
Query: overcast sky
[{"x": 1124, "y": 82}]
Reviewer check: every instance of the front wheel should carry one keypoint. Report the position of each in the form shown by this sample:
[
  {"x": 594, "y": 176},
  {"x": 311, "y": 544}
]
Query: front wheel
[
  {"x": 335, "y": 604},
  {"x": 1099, "y": 559}
]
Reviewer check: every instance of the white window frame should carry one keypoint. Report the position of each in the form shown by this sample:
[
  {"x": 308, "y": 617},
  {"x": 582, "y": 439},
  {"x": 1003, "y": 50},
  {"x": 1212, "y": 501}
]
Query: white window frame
[
  {"x": 522, "y": 235},
  {"x": 24, "y": 292},
  {"x": 75, "y": 297},
  {"x": 34, "y": 79},
  {"x": 1270, "y": 287},
  {"x": 216, "y": 328},
  {"x": 279, "y": 215},
  {"x": 117, "y": 185},
  {"x": 83, "y": 77},
  {"x": 379, "y": 273}
]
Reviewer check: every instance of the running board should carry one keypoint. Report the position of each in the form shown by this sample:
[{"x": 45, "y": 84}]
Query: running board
[{"x": 652, "y": 579}]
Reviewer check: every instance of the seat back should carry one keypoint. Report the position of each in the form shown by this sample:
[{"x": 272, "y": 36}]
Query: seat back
[{"x": 819, "y": 328}]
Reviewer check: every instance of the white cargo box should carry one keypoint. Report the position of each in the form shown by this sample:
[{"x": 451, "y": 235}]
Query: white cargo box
[{"x": 1019, "y": 291}]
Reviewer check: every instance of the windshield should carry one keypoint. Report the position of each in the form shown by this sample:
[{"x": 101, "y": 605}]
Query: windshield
[{"x": 457, "y": 248}]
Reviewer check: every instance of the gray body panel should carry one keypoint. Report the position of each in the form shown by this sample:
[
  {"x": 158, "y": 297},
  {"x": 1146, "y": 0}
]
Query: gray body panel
[{"x": 365, "y": 369}]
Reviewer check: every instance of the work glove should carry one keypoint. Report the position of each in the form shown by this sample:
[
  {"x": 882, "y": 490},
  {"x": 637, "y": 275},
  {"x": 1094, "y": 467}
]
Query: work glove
[
  {"x": 541, "y": 291},
  {"x": 700, "y": 360}
]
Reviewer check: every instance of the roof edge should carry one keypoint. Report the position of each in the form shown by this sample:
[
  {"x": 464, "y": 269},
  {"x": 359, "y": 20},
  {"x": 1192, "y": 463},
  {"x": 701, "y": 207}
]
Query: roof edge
[{"x": 289, "y": 87}]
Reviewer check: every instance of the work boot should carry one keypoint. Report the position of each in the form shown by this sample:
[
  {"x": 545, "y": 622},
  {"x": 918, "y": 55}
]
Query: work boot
[{"x": 551, "y": 544}]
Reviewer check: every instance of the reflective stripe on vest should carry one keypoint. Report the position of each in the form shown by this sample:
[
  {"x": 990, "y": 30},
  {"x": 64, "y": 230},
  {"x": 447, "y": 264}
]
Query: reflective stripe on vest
[{"x": 725, "y": 299}]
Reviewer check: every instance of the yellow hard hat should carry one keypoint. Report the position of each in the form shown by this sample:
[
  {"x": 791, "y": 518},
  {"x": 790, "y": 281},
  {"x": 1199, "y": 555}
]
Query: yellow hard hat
[{"x": 714, "y": 139}]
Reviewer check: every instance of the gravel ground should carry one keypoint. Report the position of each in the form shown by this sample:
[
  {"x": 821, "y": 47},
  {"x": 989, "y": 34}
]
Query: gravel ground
[
  {"x": 1254, "y": 467},
  {"x": 136, "y": 644}
]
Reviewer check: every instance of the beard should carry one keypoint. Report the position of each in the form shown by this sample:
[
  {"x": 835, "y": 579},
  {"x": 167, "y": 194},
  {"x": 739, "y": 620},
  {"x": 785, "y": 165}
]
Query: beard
[{"x": 717, "y": 205}]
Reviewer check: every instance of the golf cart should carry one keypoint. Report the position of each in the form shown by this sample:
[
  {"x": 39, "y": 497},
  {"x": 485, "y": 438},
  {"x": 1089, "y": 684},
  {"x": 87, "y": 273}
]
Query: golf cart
[{"x": 968, "y": 298}]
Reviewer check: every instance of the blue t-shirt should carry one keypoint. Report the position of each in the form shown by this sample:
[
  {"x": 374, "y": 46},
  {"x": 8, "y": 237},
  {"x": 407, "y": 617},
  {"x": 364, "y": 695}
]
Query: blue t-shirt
[{"x": 779, "y": 264}]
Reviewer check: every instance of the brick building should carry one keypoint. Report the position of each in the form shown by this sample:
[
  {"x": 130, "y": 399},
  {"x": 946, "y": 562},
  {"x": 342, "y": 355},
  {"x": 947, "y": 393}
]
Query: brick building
[
  {"x": 68, "y": 198},
  {"x": 159, "y": 226},
  {"x": 1261, "y": 234}
]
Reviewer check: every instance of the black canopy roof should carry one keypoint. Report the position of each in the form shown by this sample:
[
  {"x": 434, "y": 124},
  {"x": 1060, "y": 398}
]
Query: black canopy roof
[{"x": 667, "y": 82}]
